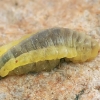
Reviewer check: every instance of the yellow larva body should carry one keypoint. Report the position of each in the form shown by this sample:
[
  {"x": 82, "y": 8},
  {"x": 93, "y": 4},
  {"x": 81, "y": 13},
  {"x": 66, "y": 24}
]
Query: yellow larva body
[{"x": 42, "y": 51}]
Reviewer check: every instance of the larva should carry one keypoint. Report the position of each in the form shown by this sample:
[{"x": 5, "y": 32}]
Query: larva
[{"x": 43, "y": 51}]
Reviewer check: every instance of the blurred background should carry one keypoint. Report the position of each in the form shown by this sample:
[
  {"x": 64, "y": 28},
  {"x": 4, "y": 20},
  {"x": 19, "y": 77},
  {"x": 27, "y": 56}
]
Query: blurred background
[{"x": 71, "y": 81}]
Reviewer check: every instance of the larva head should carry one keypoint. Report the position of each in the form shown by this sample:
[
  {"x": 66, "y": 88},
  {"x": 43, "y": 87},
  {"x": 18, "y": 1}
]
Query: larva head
[
  {"x": 95, "y": 47},
  {"x": 90, "y": 49},
  {"x": 87, "y": 49}
]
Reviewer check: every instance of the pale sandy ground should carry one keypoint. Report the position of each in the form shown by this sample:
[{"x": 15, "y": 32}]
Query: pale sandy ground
[{"x": 71, "y": 81}]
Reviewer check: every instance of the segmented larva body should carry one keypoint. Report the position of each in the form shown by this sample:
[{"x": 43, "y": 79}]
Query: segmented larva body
[{"x": 43, "y": 51}]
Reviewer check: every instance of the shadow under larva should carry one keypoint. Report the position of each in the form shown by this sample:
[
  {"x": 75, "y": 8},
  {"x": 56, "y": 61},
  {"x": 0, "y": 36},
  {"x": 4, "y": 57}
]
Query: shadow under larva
[{"x": 42, "y": 51}]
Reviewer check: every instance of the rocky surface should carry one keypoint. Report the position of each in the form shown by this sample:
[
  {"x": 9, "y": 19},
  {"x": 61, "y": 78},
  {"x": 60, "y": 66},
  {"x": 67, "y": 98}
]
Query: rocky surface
[{"x": 70, "y": 81}]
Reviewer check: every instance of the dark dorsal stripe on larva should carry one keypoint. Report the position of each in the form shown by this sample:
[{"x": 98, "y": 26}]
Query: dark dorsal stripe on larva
[
  {"x": 42, "y": 39},
  {"x": 50, "y": 45},
  {"x": 45, "y": 38}
]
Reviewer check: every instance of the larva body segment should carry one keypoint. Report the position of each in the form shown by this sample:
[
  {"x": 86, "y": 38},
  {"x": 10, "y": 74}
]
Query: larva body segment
[
  {"x": 46, "y": 65},
  {"x": 43, "y": 51}
]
